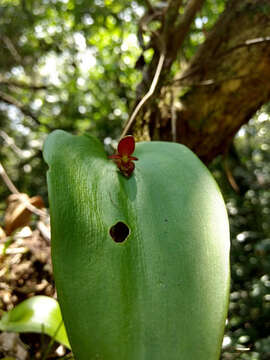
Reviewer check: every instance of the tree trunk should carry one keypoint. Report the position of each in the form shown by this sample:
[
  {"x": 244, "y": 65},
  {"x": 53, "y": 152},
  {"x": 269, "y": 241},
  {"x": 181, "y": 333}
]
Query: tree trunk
[{"x": 227, "y": 81}]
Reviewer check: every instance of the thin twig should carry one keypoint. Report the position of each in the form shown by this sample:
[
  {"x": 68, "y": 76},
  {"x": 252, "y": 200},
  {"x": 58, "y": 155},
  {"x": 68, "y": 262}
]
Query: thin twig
[
  {"x": 207, "y": 82},
  {"x": 12, "y": 188},
  {"x": 146, "y": 96},
  {"x": 22, "y": 85},
  {"x": 12, "y": 101},
  {"x": 247, "y": 43},
  {"x": 242, "y": 349},
  {"x": 12, "y": 49},
  {"x": 229, "y": 174},
  {"x": 173, "y": 117},
  {"x": 10, "y": 142}
]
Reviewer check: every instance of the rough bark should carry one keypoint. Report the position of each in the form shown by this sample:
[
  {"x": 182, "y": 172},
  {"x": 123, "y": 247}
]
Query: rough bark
[{"x": 227, "y": 81}]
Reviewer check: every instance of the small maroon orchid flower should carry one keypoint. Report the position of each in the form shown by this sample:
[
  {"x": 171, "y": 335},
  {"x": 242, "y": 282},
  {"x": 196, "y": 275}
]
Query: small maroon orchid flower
[{"x": 123, "y": 158}]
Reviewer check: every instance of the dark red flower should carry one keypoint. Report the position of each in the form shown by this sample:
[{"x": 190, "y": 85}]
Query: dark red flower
[{"x": 123, "y": 158}]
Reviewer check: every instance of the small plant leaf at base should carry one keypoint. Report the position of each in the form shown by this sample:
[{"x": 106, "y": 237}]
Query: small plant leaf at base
[{"x": 39, "y": 314}]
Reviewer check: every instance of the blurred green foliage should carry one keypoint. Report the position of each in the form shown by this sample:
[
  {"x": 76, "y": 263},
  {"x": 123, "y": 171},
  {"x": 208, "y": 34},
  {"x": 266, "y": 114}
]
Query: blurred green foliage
[
  {"x": 249, "y": 211},
  {"x": 70, "y": 64}
]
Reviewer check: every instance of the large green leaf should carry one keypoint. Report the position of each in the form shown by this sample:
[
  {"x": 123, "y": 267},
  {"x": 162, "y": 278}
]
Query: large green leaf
[
  {"x": 40, "y": 314},
  {"x": 161, "y": 293}
]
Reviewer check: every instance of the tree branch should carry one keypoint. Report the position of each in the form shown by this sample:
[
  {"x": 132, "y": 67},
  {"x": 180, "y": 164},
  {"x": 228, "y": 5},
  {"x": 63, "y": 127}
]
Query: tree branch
[
  {"x": 247, "y": 43},
  {"x": 172, "y": 13},
  {"x": 13, "y": 51},
  {"x": 176, "y": 36},
  {"x": 226, "y": 82},
  {"x": 171, "y": 36},
  {"x": 207, "y": 82},
  {"x": 10, "y": 142},
  {"x": 149, "y": 6},
  {"x": 12, "y": 188},
  {"x": 12, "y": 101},
  {"x": 22, "y": 85}
]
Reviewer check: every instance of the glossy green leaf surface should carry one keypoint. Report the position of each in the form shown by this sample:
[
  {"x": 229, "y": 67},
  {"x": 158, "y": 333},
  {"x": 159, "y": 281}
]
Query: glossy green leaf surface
[
  {"x": 160, "y": 294},
  {"x": 40, "y": 314}
]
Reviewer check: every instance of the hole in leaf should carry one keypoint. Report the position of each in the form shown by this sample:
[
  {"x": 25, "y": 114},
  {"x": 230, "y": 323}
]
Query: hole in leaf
[{"x": 119, "y": 232}]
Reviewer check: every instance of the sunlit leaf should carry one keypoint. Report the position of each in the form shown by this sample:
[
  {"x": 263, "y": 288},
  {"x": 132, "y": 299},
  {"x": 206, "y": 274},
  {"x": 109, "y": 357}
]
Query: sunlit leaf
[{"x": 39, "y": 314}]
